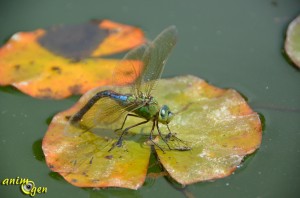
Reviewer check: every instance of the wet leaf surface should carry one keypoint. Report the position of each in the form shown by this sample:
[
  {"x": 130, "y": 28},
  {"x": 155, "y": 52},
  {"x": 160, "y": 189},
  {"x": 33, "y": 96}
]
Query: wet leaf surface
[
  {"x": 64, "y": 60},
  {"x": 217, "y": 124},
  {"x": 292, "y": 42}
]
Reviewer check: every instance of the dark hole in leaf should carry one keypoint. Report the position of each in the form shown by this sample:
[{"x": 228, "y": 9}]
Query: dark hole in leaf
[{"x": 73, "y": 41}]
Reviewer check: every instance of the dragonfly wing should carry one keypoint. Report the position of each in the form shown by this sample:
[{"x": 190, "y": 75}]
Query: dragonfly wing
[
  {"x": 129, "y": 70},
  {"x": 113, "y": 112},
  {"x": 155, "y": 57},
  {"x": 102, "y": 114},
  {"x": 142, "y": 66}
]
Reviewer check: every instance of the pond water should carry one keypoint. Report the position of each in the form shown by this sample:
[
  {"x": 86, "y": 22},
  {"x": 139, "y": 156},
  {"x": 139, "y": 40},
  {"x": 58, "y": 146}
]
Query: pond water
[{"x": 231, "y": 44}]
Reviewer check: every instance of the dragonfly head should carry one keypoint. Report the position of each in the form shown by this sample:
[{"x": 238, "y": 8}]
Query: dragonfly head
[{"x": 165, "y": 115}]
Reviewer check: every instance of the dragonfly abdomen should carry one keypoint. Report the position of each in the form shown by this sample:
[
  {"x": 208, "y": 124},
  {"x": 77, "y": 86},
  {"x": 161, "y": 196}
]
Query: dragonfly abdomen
[
  {"x": 116, "y": 96},
  {"x": 107, "y": 93}
]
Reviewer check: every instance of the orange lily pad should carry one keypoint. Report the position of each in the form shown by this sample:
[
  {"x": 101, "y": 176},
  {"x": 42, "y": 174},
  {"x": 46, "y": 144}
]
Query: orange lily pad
[
  {"x": 292, "y": 42},
  {"x": 64, "y": 60},
  {"x": 217, "y": 124}
]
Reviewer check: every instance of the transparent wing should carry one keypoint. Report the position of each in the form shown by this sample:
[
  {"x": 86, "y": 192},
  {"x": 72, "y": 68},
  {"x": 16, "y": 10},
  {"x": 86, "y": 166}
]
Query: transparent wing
[
  {"x": 104, "y": 112},
  {"x": 142, "y": 66},
  {"x": 129, "y": 70},
  {"x": 155, "y": 57},
  {"x": 101, "y": 114}
]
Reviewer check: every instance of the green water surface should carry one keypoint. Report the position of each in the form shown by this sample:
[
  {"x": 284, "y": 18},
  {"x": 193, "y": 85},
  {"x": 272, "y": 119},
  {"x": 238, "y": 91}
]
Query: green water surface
[{"x": 232, "y": 44}]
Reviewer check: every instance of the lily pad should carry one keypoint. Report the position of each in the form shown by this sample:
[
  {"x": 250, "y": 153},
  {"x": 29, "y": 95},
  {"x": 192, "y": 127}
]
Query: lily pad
[
  {"x": 217, "y": 124},
  {"x": 63, "y": 60},
  {"x": 292, "y": 42}
]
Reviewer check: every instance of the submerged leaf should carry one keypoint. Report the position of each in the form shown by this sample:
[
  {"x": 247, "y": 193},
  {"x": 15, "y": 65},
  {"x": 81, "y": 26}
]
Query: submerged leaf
[
  {"x": 292, "y": 42},
  {"x": 63, "y": 60},
  {"x": 217, "y": 124}
]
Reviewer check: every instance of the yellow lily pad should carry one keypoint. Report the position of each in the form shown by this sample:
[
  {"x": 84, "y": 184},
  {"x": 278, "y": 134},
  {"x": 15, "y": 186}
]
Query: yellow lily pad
[
  {"x": 292, "y": 42},
  {"x": 64, "y": 60},
  {"x": 217, "y": 124}
]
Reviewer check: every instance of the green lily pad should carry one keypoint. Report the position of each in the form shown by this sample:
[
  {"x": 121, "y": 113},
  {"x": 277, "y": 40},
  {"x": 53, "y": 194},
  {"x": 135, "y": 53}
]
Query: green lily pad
[
  {"x": 217, "y": 124},
  {"x": 292, "y": 42}
]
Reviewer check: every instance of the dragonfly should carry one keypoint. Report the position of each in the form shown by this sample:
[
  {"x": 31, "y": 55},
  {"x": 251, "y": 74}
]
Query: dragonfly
[{"x": 109, "y": 106}]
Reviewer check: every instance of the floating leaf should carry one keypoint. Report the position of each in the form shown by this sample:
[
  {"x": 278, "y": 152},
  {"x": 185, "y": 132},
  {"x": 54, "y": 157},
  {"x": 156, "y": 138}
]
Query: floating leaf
[
  {"x": 64, "y": 60},
  {"x": 292, "y": 42},
  {"x": 217, "y": 124}
]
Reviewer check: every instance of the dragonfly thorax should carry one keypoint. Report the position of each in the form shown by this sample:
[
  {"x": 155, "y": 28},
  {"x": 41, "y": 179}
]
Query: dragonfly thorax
[
  {"x": 165, "y": 115},
  {"x": 150, "y": 110}
]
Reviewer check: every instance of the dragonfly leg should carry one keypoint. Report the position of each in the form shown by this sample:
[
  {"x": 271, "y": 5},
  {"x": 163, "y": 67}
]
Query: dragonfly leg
[
  {"x": 119, "y": 142},
  {"x": 170, "y": 134},
  {"x": 151, "y": 136},
  {"x": 159, "y": 132},
  {"x": 133, "y": 115}
]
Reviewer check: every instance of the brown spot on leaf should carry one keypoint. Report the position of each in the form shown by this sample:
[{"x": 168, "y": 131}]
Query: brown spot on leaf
[
  {"x": 46, "y": 93},
  {"x": 95, "y": 180},
  {"x": 56, "y": 69},
  {"x": 74, "y": 162},
  {"x": 75, "y": 89},
  {"x": 67, "y": 117},
  {"x": 109, "y": 156},
  {"x": 91, "y": 160},
  {"x": 128, "y": 73},
  {"x": 45, "y": 90},
  {"x": 17, "y": 67}
]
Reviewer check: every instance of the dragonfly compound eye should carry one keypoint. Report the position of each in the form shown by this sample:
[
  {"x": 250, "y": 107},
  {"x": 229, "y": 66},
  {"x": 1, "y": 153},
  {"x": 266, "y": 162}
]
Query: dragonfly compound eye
[{"x": 163, "y": 113}]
